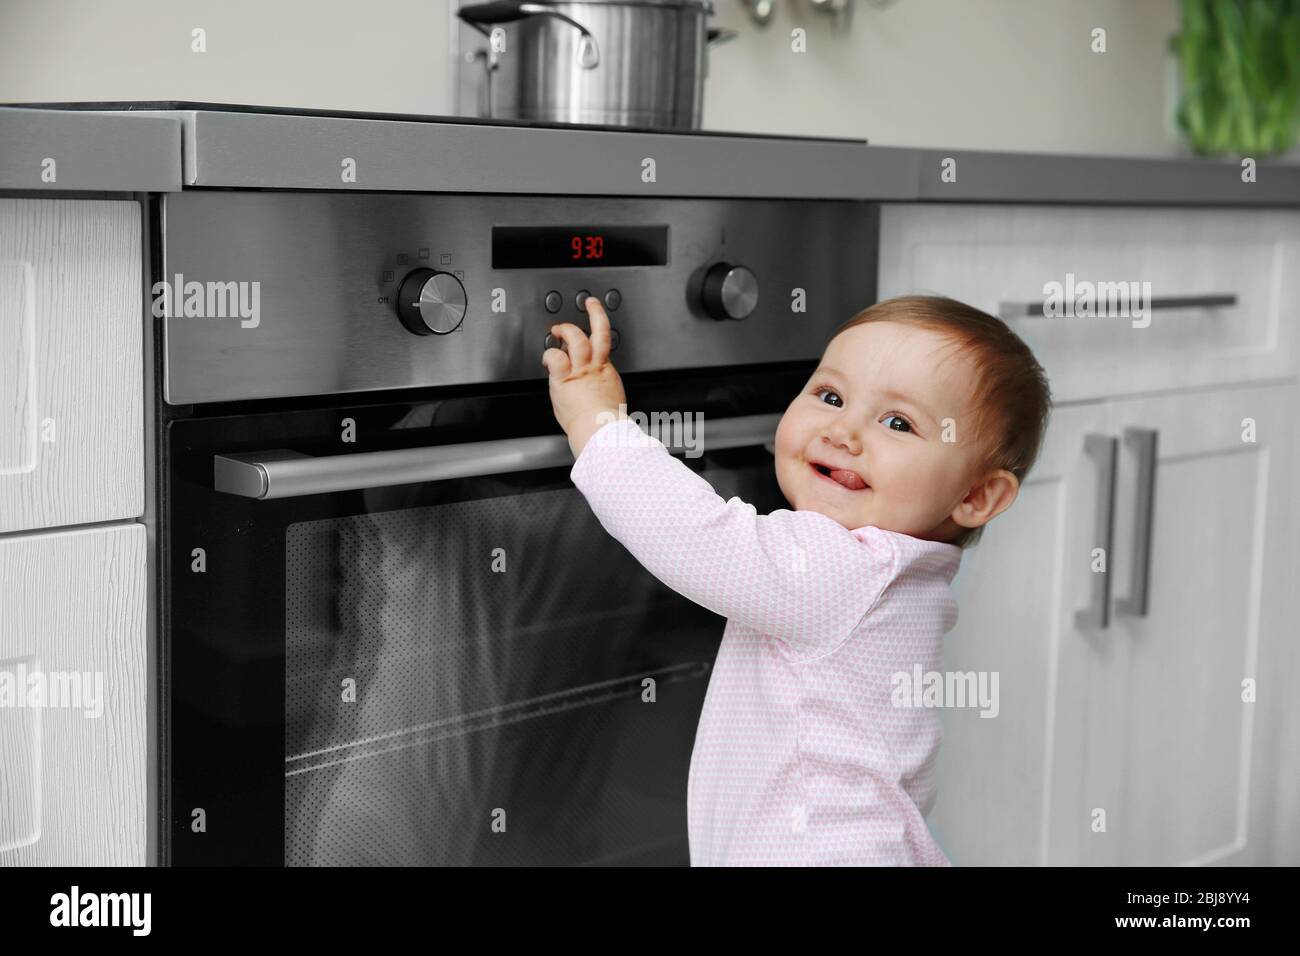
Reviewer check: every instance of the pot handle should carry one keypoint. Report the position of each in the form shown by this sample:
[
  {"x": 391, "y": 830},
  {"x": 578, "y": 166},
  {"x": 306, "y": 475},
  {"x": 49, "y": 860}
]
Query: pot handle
[{"x": 507, "y": 11}]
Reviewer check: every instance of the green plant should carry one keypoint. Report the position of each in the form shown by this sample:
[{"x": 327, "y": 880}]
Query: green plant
[{"x": 1240, "y": 69}]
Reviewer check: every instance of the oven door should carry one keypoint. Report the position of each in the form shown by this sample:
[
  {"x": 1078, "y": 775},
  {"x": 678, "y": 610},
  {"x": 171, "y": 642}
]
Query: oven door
[{"x": 396, "y": 634}]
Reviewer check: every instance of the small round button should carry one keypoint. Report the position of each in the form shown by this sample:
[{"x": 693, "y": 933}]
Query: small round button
[
  {"x": 554, "y": 342},
  {"x": 613, "y": 299},
  {"x": 554, "y": 301},
  {"x": 580, "y": 300}
]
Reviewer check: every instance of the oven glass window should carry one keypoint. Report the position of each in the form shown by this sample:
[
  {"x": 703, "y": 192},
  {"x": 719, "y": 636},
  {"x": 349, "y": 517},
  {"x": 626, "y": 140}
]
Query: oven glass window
[{"x": 491, "y": 681}]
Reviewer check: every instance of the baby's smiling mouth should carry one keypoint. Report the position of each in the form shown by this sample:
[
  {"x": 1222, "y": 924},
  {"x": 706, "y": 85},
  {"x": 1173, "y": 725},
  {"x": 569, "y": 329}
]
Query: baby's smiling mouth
[{"x": 840, "y": 477}]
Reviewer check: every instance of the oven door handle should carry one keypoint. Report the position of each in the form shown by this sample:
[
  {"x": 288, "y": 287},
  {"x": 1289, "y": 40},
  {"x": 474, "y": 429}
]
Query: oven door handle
[{"x": 288, "y": 474}]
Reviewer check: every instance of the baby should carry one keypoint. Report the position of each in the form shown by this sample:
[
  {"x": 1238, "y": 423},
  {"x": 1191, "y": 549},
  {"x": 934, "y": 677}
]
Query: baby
[{"x": 914, "y": 432}]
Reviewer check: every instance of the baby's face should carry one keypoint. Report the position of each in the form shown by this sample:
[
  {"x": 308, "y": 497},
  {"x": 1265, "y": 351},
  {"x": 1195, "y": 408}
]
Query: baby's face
[{"x": 876, "y": 407}]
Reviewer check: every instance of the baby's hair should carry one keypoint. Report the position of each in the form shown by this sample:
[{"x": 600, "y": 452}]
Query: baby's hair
[{"x": 1011, "y": 396}]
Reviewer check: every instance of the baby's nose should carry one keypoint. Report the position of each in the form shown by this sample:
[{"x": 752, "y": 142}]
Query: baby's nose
[{"x": 842, "y": 435}]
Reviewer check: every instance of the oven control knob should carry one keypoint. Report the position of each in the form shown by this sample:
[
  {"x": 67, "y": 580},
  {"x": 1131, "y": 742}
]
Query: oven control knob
[
  {"x": 729, "y": 291},
  {"x": 431, "y": 303}
]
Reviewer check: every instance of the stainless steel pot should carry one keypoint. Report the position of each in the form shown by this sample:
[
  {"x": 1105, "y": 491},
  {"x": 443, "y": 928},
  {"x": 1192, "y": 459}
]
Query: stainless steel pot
[{"x": 637, "y": 63}]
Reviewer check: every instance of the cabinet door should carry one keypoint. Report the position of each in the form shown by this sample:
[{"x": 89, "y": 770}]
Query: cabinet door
[
  {"x": 1188, "y": 772},
  {"x": 1002, "y": 258},
  {"x": 73, "y": 686},
  {"x": 1000, "y": 777},
  {"x": 71, "y": 380}
]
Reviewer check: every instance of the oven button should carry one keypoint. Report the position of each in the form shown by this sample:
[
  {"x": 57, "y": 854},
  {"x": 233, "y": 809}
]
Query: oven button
[
  {"x": 555, "y": 342},
  {"x": 613, "y": 299},
  {"x": 553, "y": 302},
  {"x": 580, "y": 300},
  {"x": 431, "y": 303},
  {"x": 729, "y": 291}
]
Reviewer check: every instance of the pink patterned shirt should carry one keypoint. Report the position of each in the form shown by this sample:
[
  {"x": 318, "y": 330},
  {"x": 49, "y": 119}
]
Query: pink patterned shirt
[{"x": 800, "y": 756}]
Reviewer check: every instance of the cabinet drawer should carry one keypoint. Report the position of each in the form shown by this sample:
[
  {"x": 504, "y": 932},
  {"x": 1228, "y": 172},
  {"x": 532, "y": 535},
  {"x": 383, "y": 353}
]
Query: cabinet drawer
[
  {"x": 74, "y": 675},
  {"x": 996, "y": 257},
  {"x": 71, "y": 380}
]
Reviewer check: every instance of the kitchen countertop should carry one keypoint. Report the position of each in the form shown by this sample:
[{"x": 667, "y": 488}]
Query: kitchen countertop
[
  {"x": 166, "y": 147},
  {"x": 120, "y": 152}
]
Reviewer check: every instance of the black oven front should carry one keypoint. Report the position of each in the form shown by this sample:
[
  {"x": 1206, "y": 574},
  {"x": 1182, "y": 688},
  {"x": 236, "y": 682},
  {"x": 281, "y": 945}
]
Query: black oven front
[{"x": 392, "y": 631}]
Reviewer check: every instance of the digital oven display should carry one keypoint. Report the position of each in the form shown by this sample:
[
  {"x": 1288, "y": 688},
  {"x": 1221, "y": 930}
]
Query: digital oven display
[{"x": 587, "y": 247}]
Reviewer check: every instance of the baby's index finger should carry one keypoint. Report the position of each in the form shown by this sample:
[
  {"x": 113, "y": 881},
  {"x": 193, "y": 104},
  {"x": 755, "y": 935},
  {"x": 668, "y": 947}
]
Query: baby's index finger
[{"x": 600, "y": 337}]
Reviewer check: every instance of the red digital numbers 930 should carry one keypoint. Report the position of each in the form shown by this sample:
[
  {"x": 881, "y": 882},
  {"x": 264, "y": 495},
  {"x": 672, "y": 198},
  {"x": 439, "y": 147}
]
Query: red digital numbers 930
[{"x": 587, "y": 247}]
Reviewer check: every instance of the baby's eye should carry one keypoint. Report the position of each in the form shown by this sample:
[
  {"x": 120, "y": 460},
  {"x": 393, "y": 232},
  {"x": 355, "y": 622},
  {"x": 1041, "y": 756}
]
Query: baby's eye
[
  {"x": 901, "y": 419},
  {"x": 825, "y": 390}
]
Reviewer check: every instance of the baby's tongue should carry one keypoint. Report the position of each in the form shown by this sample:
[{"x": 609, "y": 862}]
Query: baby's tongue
[{"x": 848, "y": 479}]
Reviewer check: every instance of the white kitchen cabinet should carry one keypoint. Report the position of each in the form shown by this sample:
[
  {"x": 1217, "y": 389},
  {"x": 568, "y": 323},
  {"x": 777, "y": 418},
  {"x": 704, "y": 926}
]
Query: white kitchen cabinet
[
  {"x": 994, "y": 256},
  {"x": 1143, "y": 718},
  {"x": 1191, "y": 770},
  {"x": 1016, "y": 591},
  {"x": 73, "y": 773},
  {"x": 71, "y": 363},
  {"x": 1285, "y": 662}
]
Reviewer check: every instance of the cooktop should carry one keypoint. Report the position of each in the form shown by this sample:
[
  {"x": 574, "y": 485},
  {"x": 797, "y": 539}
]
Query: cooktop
[{"x": 133, "y": 105}]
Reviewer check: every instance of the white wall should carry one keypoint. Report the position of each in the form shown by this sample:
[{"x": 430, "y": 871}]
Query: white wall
[
  {"x": 985, "y": 74},
  {"x": 980, "y": 74}
]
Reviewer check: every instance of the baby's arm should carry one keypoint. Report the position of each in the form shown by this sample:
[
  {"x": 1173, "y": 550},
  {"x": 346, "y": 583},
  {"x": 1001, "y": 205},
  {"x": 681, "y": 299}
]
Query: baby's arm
[{"x": 797, "y": 575}]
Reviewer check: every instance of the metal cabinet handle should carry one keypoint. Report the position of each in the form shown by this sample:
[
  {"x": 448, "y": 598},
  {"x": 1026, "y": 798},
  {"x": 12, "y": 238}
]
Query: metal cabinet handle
[
  {"x": 281, "y": 473},
  {"x": 1034, "y": 310},
  {"x": 1103, "y": 448},
  {"x": 1144, "y": 440}
]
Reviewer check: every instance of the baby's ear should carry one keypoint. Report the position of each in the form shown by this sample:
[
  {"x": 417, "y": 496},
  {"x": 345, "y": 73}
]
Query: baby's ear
[{"x": 988, "y": 497}]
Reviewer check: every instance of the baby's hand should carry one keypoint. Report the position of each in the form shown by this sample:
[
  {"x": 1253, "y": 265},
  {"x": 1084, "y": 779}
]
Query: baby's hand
[{"x": 583, "y": 382}]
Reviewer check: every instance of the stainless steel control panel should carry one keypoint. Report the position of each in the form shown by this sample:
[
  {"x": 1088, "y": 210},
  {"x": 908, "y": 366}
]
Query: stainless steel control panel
[{"x": 269, "y": 295}]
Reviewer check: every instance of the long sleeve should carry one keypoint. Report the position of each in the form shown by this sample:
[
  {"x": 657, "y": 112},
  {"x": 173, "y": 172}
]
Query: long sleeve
[{"x": 798, "y": 576}]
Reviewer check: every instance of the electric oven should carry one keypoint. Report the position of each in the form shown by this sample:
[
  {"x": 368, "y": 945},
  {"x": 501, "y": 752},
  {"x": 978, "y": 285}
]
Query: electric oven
[{"x": 392, "y": 631}]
